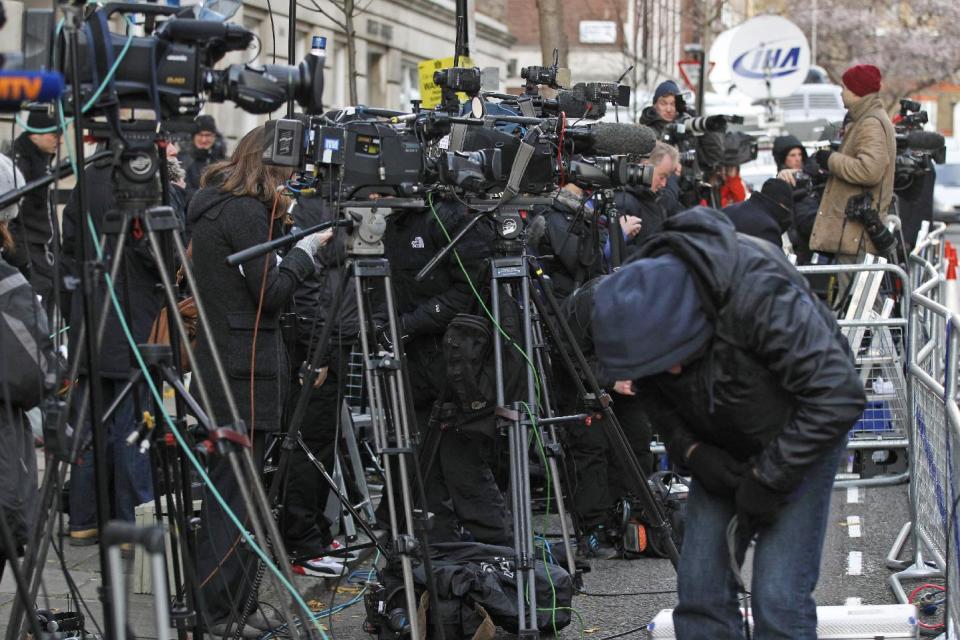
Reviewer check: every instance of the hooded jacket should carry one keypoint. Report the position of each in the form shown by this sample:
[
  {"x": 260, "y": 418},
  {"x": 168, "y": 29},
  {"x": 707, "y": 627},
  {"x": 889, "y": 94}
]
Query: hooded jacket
[
  {"x": 864, "y": 162},
  {"x": 761, "y": 218},
  {"x": 224, "y": 224},
  {"x": 776, "y": 385},
  {"x": 782, "y": 146}
]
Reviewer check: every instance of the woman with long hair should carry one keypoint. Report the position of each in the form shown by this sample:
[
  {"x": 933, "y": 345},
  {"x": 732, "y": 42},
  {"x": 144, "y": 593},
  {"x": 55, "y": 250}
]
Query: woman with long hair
[{"x": 238, "y": 206}]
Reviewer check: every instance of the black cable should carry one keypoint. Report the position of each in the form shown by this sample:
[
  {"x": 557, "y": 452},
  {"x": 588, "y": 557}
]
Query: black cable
[
  {"x": 626, "y": 594},
  {"x": 625, "y": 633}
]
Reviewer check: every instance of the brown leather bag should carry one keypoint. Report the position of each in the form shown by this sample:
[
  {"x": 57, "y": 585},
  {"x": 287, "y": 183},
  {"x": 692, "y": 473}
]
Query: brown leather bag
[{"x": 187, "y": 308}]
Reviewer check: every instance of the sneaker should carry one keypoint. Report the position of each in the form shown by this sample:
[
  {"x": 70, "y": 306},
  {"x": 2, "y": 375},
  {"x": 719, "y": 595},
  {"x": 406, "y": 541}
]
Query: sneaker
[
  {"x": 337, "y": 548},
  {"x": 320, "y": 567}
]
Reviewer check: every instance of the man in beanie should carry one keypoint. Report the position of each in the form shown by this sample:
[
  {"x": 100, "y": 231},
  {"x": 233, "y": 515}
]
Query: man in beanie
[
  {"x": 754, "y": 385},
  {"x": 206, "y": 148},
  {"x": 767, "y": 214},
  {"x": 864, "y": 163},
  {"x": 34, "y": 230},
  {"x": 669, "y": 107}
]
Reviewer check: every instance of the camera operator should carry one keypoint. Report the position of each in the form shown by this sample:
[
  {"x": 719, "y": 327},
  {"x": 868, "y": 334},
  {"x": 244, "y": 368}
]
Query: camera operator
[
  {"x": 461, "y": 488},
  {"x": 306, "y": 529},
  {"x": 859, "y": 190},
  {"x": 767, "y": 214},
  {"x": 23, "y": 370},
  {"x": 755, "y": 385},
  {"x": 801, "y": 172},
  {"x": 669, "y": 110},
  {"x": 34, "y": 231},
  {"x": 235, "y": 209},
  {"x": 646, "y": 203},
  {"x": 568, "y": 239}
]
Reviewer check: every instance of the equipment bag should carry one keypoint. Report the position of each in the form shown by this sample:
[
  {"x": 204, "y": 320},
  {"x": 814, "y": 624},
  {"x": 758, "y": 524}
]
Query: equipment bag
[
  {"x": 471, "y": 369},
  {"x": 473, "y": 581},
  {"x": 637, "y": 537},
  {"x": 28, "y": 366}
]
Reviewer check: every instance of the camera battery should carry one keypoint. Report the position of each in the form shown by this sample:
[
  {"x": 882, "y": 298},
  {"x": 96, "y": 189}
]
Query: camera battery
[{"x": 329, "y": 144}]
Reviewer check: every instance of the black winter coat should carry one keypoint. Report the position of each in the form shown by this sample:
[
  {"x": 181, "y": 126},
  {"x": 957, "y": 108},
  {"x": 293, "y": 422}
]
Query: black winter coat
[
  {"x": 709, "y": 146},
  {"x": 569, "y": 244},
  {"x": 33, "y": 225},
  {"x": 425, "y": 308},
  {"x": 759, "y": 218},
  {"x": 137, "y": 283},
  {"x": 224, "y": 224},
  {"x": 643, "y": 203},
  {"x": 777, "y": 384},
  {"x": 314, "y": 299}
]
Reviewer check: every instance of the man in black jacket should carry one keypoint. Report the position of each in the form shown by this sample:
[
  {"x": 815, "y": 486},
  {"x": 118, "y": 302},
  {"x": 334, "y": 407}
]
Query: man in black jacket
[
  {"x": 767, "y": 214},
  {"x": 669, "y": 108},
  {"x": 461, "y": 488},
  {"x": 306, "y": 529},
  {"x": 34, "y": 230},
  {"x": 647, "y": 203},
  {"x": 205, "y": 148},
  {"x": 137, "y": 289},
  {"x": 755, "y": 384}
]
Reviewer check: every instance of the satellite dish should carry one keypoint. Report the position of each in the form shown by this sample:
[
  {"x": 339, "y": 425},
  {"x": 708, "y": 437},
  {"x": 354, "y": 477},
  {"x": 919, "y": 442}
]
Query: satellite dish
[
  {"x": 721, "y": 76},
  {"x": 768, "y": 57}
]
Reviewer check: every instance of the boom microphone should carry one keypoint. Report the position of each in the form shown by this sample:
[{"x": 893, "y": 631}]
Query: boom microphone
[
  {"x": 614, "y": 139},
  {"x": 17, "y": 87}
]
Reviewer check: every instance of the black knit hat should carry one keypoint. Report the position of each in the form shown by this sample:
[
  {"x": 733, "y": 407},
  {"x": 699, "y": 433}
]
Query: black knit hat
[
  {"x": 40, "y": 117},
  {"x": 205, "y": 123}
]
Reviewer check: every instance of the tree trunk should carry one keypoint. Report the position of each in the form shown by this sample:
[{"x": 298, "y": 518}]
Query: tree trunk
[
  {"x": 348, "y": 9},
  {"x": 552, "y": 34}
]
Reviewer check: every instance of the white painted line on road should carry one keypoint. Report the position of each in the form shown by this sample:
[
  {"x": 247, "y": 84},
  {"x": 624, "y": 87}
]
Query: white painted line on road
[
  {"x": 853, "y": 495},
  {"x": 855, "y": 566},
  {"x": 853, "y": 602},
  {"x": 853, "y": 526}
]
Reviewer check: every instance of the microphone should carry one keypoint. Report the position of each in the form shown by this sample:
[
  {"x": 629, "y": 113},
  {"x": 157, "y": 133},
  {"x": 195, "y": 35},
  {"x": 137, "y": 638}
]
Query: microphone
[
  {"x": 17, "y": 87},
  {"x": 614, "y": 139}
]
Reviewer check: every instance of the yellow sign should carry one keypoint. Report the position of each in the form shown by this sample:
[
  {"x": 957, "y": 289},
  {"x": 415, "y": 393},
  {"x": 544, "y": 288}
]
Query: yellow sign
[{"x": 429, "y": 92}]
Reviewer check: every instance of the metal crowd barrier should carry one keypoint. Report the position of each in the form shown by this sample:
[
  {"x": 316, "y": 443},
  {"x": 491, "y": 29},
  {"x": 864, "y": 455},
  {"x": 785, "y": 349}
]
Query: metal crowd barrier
[
  {"x": 880, "y": 345},
  {"x": 934, "y": 435}
]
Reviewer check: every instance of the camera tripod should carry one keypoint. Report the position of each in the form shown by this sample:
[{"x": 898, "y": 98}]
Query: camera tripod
[
  {"x": 392, "y": 416},
  {"x": 514, "y": 267}
]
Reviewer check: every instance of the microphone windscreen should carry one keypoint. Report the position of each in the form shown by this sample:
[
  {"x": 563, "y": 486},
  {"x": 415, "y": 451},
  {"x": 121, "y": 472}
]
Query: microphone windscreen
[
  {"x": 925, "y": 140},
  {"x": 622, "y": 138},
  {"x": 17, "y": 87}
]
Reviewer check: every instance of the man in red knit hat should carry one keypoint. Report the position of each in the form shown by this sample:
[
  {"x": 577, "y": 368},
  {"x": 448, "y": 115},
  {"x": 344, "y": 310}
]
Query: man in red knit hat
[{"x": 864, "y": 164}]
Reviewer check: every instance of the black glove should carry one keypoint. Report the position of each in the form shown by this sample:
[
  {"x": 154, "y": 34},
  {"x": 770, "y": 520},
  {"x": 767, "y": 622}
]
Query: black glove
[
  {"x": 718, "y": 471},
  {"x": 823, "y": 158},
  {"x": 757, "y": 504}
]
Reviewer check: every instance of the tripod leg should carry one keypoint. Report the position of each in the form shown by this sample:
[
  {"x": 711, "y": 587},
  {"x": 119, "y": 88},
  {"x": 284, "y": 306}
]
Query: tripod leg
[
  {"x": 616, "y": 438},
  {"x": 543, "y": 364},
  {"x": 378, "y": 405}
]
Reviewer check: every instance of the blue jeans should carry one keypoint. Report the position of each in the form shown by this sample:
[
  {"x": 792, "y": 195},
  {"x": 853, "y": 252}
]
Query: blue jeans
[
  {"x": 128, "y": 468},
  {"x": 786, "y": 565}
]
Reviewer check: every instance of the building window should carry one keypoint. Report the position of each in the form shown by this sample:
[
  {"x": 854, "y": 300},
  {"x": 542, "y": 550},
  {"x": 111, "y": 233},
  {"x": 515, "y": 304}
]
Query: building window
[{"x": 409, "y": 84}]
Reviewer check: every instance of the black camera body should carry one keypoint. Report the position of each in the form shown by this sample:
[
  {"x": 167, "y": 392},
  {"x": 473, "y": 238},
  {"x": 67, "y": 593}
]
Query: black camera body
[
  {"x": 860, "y": 209},
  {"x": 170, "y": 71}
]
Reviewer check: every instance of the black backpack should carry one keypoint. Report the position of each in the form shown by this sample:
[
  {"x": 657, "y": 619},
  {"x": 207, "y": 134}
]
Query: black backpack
[
  {"x": 471, "y": 372},
  {"x": 28, "y": 371}
]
